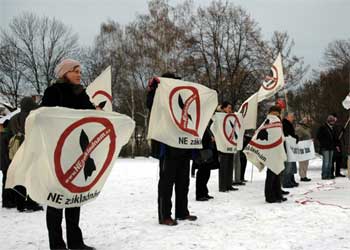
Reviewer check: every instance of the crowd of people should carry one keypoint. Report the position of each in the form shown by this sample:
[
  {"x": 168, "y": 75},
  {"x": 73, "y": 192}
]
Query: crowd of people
[{"x": 174, "y": 163}]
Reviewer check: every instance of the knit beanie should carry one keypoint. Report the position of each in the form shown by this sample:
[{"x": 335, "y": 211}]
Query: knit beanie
[{"x": 65, "y": 66}]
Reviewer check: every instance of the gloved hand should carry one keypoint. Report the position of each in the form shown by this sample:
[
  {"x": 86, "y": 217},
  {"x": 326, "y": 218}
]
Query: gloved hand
[{"x": 153, "y": 83}]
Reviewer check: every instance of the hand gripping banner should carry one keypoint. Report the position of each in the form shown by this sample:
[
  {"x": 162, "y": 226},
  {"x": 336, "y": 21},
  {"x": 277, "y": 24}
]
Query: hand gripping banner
[
  {"x": 68, "y": 154},
  {"x": 100, "y": 90},
  {"x": 272, "y": 82},
  {"x": 228, "y": 131},
  {"x": 266, "y": 147},
  {"x": 180, "y": 113}
]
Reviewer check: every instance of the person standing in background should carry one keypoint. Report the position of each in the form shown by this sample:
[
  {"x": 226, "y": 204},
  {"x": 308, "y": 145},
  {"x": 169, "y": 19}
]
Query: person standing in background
[{"x": 303, "y": 131}]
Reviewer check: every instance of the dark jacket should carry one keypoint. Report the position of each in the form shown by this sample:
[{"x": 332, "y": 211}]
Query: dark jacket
[
  {"x": 326, "y": 137},
  {"x": 66, "y": 95},
  {"x": 208, "y": 144},
  {"x": 17, "y": 122},
  {"x": 288, "y": 129},
  {"x": 4, "y": 150}
]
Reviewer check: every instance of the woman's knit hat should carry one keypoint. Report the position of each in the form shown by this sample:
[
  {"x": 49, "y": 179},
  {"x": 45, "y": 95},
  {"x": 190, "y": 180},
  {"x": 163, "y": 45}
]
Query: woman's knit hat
[{"x": 65, "y": 66}]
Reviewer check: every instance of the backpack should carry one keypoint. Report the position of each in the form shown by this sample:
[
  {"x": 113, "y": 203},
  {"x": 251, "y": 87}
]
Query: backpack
[{"x": 14, "y": 144}]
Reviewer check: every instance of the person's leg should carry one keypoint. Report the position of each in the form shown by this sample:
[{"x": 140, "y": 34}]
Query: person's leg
[
  {"x": 74, "y": 234},
  {"x": 200, "y": 183},
  {"x": 338, "y": 163},
  {"x": 229, "y": 175},
  {"x": 237, "y": 167},
  {"x": 21, "y": 194},
  {"x": 205, "y": 180},
  {"x": 182, "y": 182},
  {"x": 325, "y": 163},
  {"x": 287, "y": 176},
  {"x": 302, "y": 169},
  {"x": 270, "y": 194},
  {"x": 53, "y": 223},
  {"x": 331, "y": 164},
  {"x": 243, "y": 160},
  {"x": 8, "y": 198},
  {"x": 167, "y": 172},
  {"x": 222, "y": 170}
]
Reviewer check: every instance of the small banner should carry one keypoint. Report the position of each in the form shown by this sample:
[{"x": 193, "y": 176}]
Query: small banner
[
  {"x": 181, "y": 112},
  {"x": 100, "y": 90},
  {"x": 266, "y": 147},
  {"x": 249, "y": 111},
  {"x": 272, "y": 82},
  {"x": 228, "y": 131},
  {"x": 301, "y": 151},
  {"x": 68, "y": 154}
]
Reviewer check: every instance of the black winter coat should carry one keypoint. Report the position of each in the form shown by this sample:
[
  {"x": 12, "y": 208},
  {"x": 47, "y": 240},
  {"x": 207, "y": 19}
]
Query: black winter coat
[
  {"x": 327, "y": 137},
  {"x": 4, "y": 150},
  {"x": 288, "y": 129},
  {"x": 66, "y": 95}
]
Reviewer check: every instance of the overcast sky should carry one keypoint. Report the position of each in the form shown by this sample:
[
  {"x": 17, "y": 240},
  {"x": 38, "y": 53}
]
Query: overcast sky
[{"x": 311, "y": 23}]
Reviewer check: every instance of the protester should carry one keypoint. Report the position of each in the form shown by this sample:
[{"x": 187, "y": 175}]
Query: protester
[
  {"x": 66, "y": 92},
  {"x": 174, "y": 169},
  {"x": 273, "y": 191},
  {"x": 303, "y": 131},
  {"x": 226, "y": 161},
  {"x": 207, "y": 160},
  {"x": 326, "y": 137},
  {"x": 17, "y": 128},
  {"x": 8, "y": 195},
  {"x": 338, "y": 159},
  {"x": 288, "y": 180}
]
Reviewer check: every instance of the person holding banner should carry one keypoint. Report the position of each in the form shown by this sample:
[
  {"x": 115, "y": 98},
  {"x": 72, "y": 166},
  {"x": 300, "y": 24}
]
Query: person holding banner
[
  {"x": 174, "y": 169},
  {"x": 226, "y": 161},
  {"x": 273, "y": 190},
  {"x": 288, "y": 179},
  {"x": 303, "y": 131},
  {"x": 66, "y": 92}
]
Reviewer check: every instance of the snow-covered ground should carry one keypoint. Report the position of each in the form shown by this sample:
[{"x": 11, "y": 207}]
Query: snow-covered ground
[{"x": 315, "y": 217}]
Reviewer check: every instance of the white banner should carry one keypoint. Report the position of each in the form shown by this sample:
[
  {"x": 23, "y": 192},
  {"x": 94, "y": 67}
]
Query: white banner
[
  {"x": 228, "y": 131},
  {"x": 266, "y": 147},
  {"x": 346, "y": 102},
  {"x": 68, "y": 154},
  {"x": 100, "y": 90},
  {"x": 249, "y": 111},
  {"x": 272, "y": 82},
  {"x": 301, "y": 151},
  {"x": 180, "y": 113}
]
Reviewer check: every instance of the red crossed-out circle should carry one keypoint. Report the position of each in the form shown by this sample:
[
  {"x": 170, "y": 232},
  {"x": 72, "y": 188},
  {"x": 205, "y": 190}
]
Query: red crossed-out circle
[
  {"x": 274, "y": 78},
  {"x": 224, "y": 125},
  {"x": 271, "y": 145},
  {"x": 182, "y": 124},
  {"x": 104, "y": 93},
  {"x": 66, "y": 179},
  {"x": 244, "y": 109}
]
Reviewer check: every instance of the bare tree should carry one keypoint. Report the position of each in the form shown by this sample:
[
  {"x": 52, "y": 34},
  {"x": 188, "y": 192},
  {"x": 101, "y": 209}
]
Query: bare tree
[
  {"x": 337, "y": 54},
  {"x": 41, "y": 42},
  {"x": 11, "y": 82},
  {"x": 228, "y": 42}
]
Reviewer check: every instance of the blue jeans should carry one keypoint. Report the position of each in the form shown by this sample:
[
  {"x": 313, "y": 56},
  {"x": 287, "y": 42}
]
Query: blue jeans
[{"x": 327, "y": 162}]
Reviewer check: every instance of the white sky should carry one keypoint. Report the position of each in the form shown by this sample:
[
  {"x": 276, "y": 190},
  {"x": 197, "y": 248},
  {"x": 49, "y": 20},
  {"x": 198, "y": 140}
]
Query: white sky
[{"x": 311, "y": 23}]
